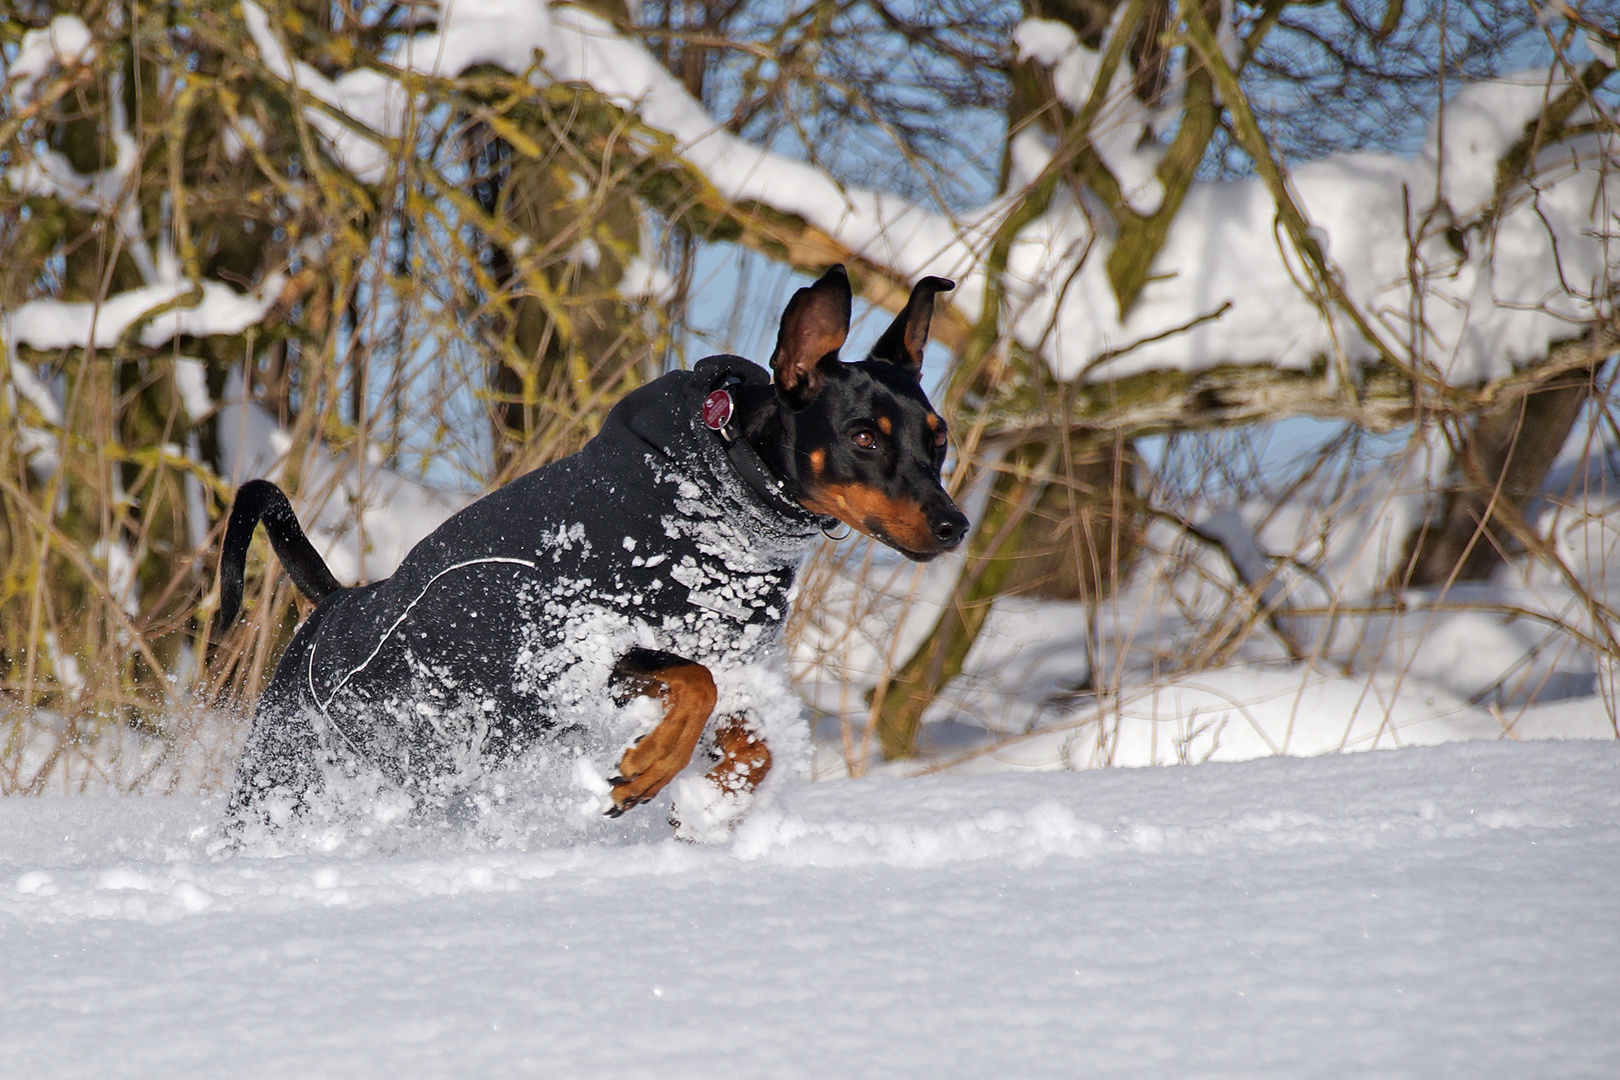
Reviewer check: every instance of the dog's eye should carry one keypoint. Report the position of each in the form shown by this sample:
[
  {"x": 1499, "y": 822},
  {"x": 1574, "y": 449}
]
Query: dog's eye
[
  {"x": 865, "y": 439},
  {"x": 939, "y": 440}
]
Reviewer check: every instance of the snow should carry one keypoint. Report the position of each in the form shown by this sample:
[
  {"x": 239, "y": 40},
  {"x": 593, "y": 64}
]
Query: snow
[
  {"x": 1046, "y": 41},
  {"x": 1266, "y": 627},
  {"x": 1419, "y": 913},
  {"x": 1122, "y": 122},
  {"x": 49, "y": 173},
  {"x": 167, "y": 308},
  {"x": 1602, "y": 50},
  {"x": 191, "y": 380},
  {"x": 65, "y": 42}
]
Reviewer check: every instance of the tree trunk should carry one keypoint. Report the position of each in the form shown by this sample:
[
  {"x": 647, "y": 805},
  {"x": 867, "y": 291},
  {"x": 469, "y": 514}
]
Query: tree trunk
[{"x": 1499, "y": 463}]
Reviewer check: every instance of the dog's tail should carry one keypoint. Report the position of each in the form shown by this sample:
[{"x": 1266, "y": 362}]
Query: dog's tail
[{"x": 256, "y": 501}]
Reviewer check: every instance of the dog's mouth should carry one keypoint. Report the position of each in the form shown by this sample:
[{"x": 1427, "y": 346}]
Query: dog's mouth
[
  {"x": 876, "y": 531},
  {"x": 900, "y": 524}
]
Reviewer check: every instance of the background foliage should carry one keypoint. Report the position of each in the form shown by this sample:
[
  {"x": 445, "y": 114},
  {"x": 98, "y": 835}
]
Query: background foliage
[{"x": 526, "y": 250}]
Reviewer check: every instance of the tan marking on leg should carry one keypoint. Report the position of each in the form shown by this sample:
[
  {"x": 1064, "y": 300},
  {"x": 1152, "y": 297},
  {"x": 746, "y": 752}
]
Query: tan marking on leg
[
  {"x": 744, "y": 757},
  {"x": 688, "y": 694}
]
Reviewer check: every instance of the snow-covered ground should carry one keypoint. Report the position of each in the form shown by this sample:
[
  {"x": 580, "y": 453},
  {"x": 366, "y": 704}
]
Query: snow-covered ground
[{"x": 1446, "y": 911}]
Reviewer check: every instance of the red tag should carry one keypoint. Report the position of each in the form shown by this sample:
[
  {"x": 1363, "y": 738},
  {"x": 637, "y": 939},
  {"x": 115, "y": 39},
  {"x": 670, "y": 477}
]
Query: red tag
[{"x": 717, "y": 410}]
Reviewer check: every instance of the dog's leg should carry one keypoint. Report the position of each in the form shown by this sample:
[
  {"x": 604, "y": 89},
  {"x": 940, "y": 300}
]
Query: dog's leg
[
  {"x": 744, "y": 757},
  {"x": 706, "y": 812},
  {"x": 687, "y": 692}
]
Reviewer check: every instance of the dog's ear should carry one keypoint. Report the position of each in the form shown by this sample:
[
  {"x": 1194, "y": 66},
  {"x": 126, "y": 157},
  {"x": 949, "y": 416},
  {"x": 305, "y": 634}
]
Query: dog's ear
[
  {"x": 813, "y": 330},
  {"x": 902, "y": 344}
]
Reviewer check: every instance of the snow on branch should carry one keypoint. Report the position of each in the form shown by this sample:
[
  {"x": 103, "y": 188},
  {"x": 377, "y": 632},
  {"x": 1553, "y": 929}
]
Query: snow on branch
[
  {"x": 156, "y": 313},
  {"x": 153, "y": 314},
  {"x": 1459, "y": 302},
  {"x": 65, "y": 42}
]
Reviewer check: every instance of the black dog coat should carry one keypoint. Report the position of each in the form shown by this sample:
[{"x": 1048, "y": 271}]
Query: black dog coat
[
  {"x": 505, "y": 623},
  {"x": 655, "y": 564}
]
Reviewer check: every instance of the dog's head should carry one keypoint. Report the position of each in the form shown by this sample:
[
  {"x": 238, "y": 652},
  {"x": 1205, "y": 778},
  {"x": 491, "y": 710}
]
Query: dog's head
[{"x": 867, "y": 447}]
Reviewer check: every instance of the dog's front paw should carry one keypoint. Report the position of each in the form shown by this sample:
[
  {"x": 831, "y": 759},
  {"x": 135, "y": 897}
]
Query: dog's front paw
[
  {"x": 687, "y": 693},
  {"x": 741, "y": 757},
  {"x": 646, "y": 769},
  {"x": 706, "y": 811}
]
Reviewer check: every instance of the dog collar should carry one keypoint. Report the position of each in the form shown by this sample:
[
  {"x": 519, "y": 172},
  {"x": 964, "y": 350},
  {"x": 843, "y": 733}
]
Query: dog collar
[{"x": 718, "y": 411}]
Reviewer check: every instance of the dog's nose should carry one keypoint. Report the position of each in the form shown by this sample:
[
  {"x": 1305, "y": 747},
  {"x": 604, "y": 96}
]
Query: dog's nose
[{"x": 950, "y": 527}]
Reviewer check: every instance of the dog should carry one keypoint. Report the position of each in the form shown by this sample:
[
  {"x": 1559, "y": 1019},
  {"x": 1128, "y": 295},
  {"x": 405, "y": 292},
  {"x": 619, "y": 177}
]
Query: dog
[{"x": 650, "y": 567}]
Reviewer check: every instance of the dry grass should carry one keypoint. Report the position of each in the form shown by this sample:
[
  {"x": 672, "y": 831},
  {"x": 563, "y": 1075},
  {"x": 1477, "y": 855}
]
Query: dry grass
[{"x": 1330, "y": 511}]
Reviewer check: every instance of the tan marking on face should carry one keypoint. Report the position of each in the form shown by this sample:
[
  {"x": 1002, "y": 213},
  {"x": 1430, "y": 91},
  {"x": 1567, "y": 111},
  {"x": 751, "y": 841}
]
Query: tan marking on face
[
  {"x": 869, "y": 511},
  {"x": 885, "y": 425},
  {"x": 933, "y": 422},
  {"x": 818, "y": 462}
]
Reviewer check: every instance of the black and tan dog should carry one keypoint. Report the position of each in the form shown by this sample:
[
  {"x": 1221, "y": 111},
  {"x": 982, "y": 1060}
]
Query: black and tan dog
[{"x": 657, "y": 562}]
